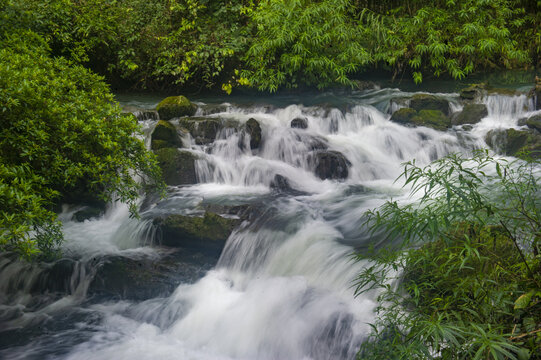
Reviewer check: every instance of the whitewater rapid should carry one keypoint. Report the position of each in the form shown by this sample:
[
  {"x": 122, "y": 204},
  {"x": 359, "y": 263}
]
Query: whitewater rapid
[{"x": 283, "y": 287}]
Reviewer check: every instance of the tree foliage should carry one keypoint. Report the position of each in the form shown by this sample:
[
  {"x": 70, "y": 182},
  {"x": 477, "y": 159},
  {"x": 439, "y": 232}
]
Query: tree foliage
[
  {"x": 271, "y": 44},
  {"x": 60, "y": 132},
  {"x": 466, "y": 281}
]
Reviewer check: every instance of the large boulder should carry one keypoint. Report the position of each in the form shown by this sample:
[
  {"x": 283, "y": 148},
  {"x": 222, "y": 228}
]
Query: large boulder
[
  {"x": 254, "y": 130},
  {"x": 471, "y": 114},
  {"x": 299, "y": 123},
  {"x": 403, "y": 116},
  {"x": 165, "y": 135},
  {"x": 178, "y": 166},
  {"x": 145, "y": 277},
  {"x": 514, "y": 142},
  {"x": 202, "y": 129},
  {"x": 207, "y": 232},
  {"x": 175, "y": 106},
  {"x": 331, "y": 165},
  {"x": 434, "y": 119},
  {"x": 420, "y": 102},
  {"x": 533, "y": 122}
]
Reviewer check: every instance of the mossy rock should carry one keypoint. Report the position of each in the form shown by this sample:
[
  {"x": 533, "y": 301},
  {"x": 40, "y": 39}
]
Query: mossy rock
[
  {"x": 175, "y": 106},
  {"x": 537, "y": 93},
  {"x": 533, "y": 122},
  {"x": 403, "y": 116},
  {"x": 165, "y": 135},
  {"x": 515, "y": 142},
  {"x": 473, "y": 92},
  {"x": 209, "y": 231},
  {"x": 434, "y": 119},
  {"x": 202, "y": 129},
  {"x": 421, "y": 102},
  {"x": 178, "y": 167},
  {"x": 254, "y": 130},
  {"x": 471, "y": 114}
]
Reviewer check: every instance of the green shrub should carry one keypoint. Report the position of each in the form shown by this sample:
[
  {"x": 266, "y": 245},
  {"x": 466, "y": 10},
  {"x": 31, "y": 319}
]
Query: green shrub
[
  {"x": 60, "y": 132},
  {"x": 465, "y": 282}
]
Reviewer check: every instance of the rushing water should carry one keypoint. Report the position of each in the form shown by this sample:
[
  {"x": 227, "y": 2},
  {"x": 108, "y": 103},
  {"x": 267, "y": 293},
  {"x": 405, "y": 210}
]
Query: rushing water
[{"x": 282, "y": 287}]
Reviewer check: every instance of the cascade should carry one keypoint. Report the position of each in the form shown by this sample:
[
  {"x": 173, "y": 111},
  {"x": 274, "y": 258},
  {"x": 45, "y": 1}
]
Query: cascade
[{"x": 282, "y": 286}]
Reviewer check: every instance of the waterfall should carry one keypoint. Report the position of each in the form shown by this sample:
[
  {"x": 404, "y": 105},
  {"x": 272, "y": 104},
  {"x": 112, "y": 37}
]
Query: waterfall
[{"x": 282, "y": 287}]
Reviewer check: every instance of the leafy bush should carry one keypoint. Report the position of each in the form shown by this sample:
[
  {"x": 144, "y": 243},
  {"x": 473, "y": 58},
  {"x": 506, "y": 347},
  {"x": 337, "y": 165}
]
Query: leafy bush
[
  {"x": 466, "y": 281},
  {"x": 60, "y": 132}
]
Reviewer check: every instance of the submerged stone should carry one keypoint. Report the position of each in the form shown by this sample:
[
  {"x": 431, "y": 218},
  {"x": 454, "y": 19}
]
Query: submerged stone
[
  {"x": 471, "y": 114},
  {"x": 280, "y": 183},
  {"x": 175, "y": 106},
  {"x": 178, "y": 167}
]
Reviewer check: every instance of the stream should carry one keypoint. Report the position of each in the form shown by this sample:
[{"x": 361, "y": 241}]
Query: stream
[{"x": 283, "y": 286}]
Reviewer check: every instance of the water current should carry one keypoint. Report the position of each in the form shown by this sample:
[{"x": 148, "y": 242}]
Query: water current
[{"x": 282, "y": 287}]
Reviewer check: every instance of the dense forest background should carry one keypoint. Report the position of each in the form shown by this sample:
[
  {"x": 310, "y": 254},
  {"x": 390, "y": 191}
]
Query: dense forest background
[{"x": 270, "y": 44}]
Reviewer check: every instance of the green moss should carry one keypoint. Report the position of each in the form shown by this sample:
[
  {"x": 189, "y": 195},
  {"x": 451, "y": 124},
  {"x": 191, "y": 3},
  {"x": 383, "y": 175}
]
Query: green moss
[
  {"x": 167, "y": 134},
  {"x": 432, "y": 118},
  {"x": 403, "y": 116},
  {"x": 180, "y": 230},
  {"x": 178, "y": 167},
  {"x": 421, "y": 102},
  {"x": 175, "y": 106},
  {"x": 471, "y": 114},
  {"x": 515, "y": 142},
  {"x": 159, "y": 144}
]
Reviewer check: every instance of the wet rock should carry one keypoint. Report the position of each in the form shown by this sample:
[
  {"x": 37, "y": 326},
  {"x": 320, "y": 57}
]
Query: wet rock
[
  {"x": 473, "y": 92},
  {"x": 87, "y": 213},
  {"x": 254, "y": 130},
  {"x": 178, "y": 167},
  {"x": 209, "y": 109},
  {"x": 533, "y": 122},
  {"x": 471, "y": 114},
  {"x": 398, "y": 103},
  {"x": 331, "y": 165},
  {"x": 280, "y": 183},
  {"x": 140, "y": 278},
  {"x": 403, "y": 116},
  {"x": 175, "y": 106},
  {"x": 202, "y": 129},
  {"x": 299, "y": 123},
  {"x": 421, "y": 102},
  {"x": 515, "y": 142},
  {"x": 164, "y": 135},
  {"x": 207, "y": 232},
  {"x": 434, "y": 119},
  {"x": 56, "y": 278}
]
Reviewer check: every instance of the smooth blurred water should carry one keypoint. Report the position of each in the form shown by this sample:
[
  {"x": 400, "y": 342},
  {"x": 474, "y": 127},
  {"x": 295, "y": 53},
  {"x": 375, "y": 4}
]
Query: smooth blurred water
[{"x": 283, "y": 286}]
